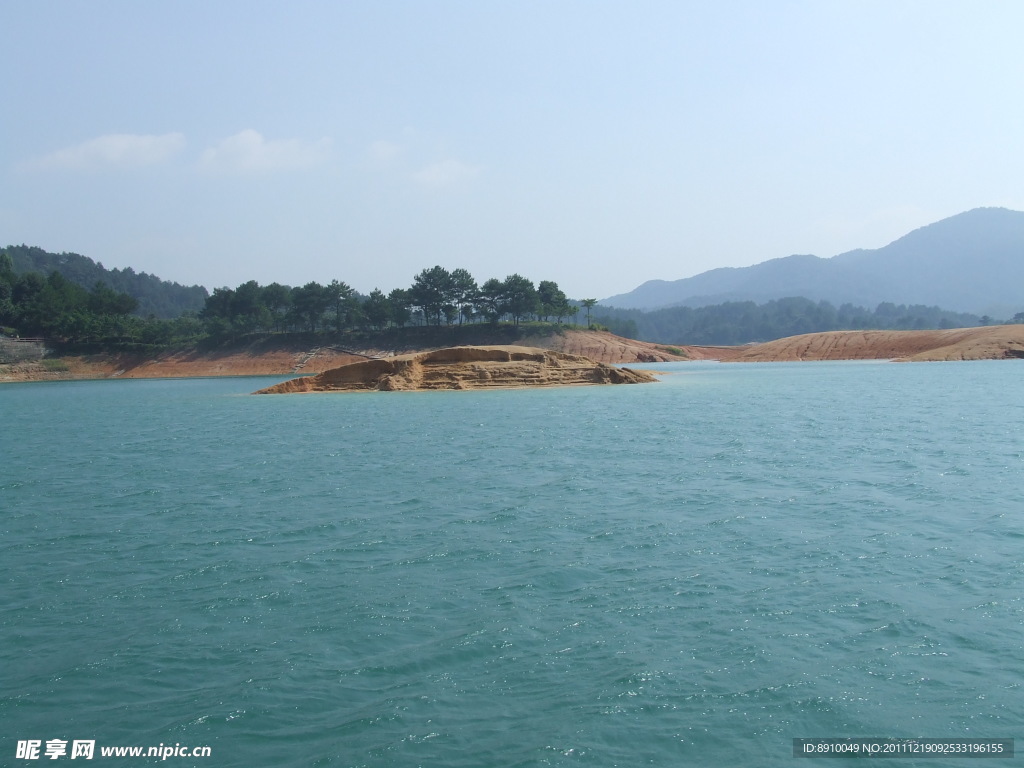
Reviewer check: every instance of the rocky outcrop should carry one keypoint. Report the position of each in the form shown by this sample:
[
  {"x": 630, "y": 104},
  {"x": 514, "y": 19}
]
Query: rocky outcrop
[{"x": 465, "y": 368}]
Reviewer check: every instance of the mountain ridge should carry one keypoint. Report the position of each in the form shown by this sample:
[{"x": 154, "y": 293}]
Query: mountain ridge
[{"x": 970, "y": 262}]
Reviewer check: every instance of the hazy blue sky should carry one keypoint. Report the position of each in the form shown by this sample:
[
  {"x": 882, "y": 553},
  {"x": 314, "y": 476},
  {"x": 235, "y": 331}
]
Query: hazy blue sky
[{"x": 595, "y": 144}]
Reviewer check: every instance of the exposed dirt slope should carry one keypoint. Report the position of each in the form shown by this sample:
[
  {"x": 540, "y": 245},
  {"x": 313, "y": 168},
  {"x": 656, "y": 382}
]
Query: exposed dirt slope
[
  {"x": 283, "y": 355},
  {"x": 605, "y": 347},
  {"x": 182, "y": 364},
  {"x": 986, "y": 343},
  {"x": 464, "y": 368}
]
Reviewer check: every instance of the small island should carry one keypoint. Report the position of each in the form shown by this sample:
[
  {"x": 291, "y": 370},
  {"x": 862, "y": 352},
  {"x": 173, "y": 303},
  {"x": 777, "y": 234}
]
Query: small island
[{"x": 493, "y": 367}]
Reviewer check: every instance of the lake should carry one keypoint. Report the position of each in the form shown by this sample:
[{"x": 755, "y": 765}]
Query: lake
[{"x": 692, "y": 572}]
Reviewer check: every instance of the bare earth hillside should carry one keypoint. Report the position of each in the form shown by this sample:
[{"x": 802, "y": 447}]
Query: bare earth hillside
[
  {"x": 987, "y": 343},
  {"x": 241, "y": 361},
  {"x": 274, "y": 356},
  {"x": 605, "y": 347}
]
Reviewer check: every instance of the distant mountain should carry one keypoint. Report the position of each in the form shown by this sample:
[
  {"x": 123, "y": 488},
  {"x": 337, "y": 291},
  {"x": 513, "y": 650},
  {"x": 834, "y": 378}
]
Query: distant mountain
[
  {"x": 157, "y": 297},
  {"x": 971, "y": 262}
]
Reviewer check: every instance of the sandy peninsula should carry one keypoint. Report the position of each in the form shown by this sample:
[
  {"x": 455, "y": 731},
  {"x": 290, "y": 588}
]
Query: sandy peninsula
[{"x": 494, "y": 367}]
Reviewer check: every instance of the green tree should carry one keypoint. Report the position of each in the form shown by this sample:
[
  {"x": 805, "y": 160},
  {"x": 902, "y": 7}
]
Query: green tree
[
  {"x": 464, "y": 292},
  {"x": 217, "y": 312},
  {"x": 277, "y": 299},
  {"x": 431, "y": 290},
  {"x": 589, "y": 304},
  {"x": 50, "y": 312},
  {"x": 399, "y": 301},
  {"x": 309, "y": 304},
  {"x": 553, "y": 301},
  {"x": 6, "y": 268},
  {"x": 6, "y": 305},
  {"x": 218, "y": 303},
  {"x": 248, "y": 312},
  {"x": 564, "y": 309},
  {"x": 103, "y": 300},
  {"x": 492, "y": 299},
  {"x": 7, "y": 279},
  {"x": 339, "y": 297},
  {"x": 377, "y": 309},
  {"x": 520, "y": 297}
]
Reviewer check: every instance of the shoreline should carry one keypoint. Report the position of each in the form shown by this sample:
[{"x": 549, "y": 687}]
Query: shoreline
[
  {"x": 300, "y": 356},
  {"x": 274, "y": 356}
]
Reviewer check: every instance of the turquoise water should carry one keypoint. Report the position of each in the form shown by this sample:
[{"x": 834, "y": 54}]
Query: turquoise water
[{"x": 692, "y": 572}]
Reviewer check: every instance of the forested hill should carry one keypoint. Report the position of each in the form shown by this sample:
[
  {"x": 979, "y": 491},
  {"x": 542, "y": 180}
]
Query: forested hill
[{"x": 161, "y": 298}]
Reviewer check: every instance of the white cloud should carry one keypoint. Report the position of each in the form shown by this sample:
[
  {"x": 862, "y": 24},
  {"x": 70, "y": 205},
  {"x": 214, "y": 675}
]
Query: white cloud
[
  {"x": 248, "y": 151},
  {"x": 446, "y": 173},
  {"x": 116, "y": 150}
]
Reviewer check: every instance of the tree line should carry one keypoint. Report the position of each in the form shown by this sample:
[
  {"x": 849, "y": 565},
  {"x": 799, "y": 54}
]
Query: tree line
[
  {"x": 436, "y": 296},
  {"x": 56, "y": 308}
]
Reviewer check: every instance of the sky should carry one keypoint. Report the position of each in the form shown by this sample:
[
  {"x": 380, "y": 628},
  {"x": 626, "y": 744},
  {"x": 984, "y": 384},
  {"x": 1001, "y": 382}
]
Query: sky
[{"x": 596, "y": 144}]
